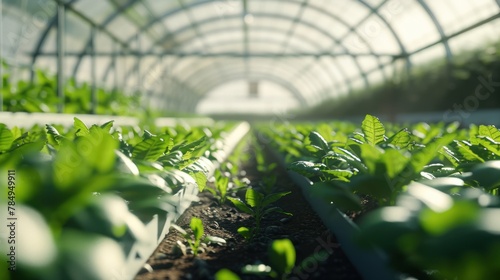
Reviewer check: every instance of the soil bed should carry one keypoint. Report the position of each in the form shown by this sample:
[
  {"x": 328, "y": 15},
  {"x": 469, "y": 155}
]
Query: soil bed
[{"x": 304, "y": 229}]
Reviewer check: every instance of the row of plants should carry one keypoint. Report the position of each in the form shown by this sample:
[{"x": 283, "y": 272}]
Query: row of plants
[
  {"x": 435, "y": 188},
  {"x": 40, "y": 95},
  {"x": 469, "y": 74},
  {"x": 83, "y": 196},
  {"x": 230, "y": 186}
]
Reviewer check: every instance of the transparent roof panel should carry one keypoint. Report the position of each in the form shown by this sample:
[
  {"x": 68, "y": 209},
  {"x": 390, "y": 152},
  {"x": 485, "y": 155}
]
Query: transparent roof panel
[
  {"x": 317, "y": 47},
  {"x": 456, "y": 15},
  {"x": 413, "y": 36},
  {"x": 98, "y": 10}
]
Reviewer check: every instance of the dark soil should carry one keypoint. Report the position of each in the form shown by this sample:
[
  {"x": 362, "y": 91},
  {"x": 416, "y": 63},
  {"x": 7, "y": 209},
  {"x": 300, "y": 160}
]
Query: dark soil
[{"x": 323, "y": 256}]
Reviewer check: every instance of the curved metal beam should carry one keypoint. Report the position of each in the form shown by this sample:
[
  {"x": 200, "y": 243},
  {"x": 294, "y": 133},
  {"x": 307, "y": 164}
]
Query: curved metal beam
[
  {"x": 439, "y": 28},
  {"x": 237, "y": 41},
  {"x": 285, "y": 17},
  {"x": 319, "y": 9}
]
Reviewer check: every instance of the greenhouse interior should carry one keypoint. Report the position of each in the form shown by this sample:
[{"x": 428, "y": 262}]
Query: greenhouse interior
[{"x": 250, "y": 139}]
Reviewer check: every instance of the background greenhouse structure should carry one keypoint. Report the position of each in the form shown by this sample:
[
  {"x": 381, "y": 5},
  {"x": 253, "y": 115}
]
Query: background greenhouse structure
[
  {"x": 249, "y": 139},
  {"x": 200, "y": 56}
]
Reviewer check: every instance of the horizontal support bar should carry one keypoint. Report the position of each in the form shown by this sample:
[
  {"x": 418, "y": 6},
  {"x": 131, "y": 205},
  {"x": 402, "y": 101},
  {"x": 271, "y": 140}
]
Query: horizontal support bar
[{"x": 226, "y": 54}]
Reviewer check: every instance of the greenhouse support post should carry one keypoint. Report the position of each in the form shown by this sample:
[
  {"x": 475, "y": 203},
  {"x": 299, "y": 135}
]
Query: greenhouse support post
[{"x": 60, "y": 56}]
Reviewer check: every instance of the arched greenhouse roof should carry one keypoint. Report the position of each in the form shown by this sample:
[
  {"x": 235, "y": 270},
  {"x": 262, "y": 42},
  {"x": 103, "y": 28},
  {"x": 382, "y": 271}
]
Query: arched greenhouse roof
[{"x": 177, "y": 51}]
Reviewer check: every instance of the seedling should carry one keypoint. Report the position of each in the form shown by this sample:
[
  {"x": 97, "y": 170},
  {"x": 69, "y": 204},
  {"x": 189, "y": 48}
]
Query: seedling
[
  {"x": 282, "y": 260},
  {"x": 197, "y": 237},
  {"x": 221, "y": 186},
  {"x": 258, "y": 205}
]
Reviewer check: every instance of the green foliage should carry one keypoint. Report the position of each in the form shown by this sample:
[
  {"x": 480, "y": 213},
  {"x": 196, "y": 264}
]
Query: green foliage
[
  {"x": 440, "y": 225},
  {"x": 197, "y": 237},
  {"x": 258, "y": 206},
  {"x": 89, "y": 190},
  {"x": 282, "y": 257}
]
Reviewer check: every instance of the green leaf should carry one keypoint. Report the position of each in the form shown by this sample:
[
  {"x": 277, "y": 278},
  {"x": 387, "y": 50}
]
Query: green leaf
[
  {"x": 490, "y": 131},
  {"x": 487, "y": 174},
  {"x": 150, "y": 149},
  {"x": 53, "y": 135},
  {"x": 200, "y": 178},
  {"x": 173, "y": 159},
  {"x": 253, "y": 198},
  {"x": 401, "y": 139},
  {"x": 240, "y": 205},
  {"x": 98, "y": 149},
  {"x": 371, "y": 155},
  {"x": 373, "y": 130},
  {"x": 282, "y": 256},
  {"x": 395, "y": 161},
  {"x": 318, "y": 141},
  {"x": 226, "y": 274},
  {"x": 107, "y": 125},
  {"x": 245, "y": 232},
  {"x": 81, "y": 128},
  {"x": 425, "y": 155},
  {"x": 268, "y": 199},
  {"x": 339, "y": 174},
  {"x": 193, "y": 146},
  {"x": 6, "y": 138},
  {"x": 306, "y": 168},
  {"x": 221, "y": 184},
  {"x": 464, "y": 148},
  {"x": 196, "y": 226}
]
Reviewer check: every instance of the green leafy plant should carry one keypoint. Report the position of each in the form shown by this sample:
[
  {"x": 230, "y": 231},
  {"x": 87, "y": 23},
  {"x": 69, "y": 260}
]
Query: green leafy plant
[
  {"x": 258, "y": 206},
  {"x": 197, "y": 237},
  {"x": 282, "y": 258},
  {"x": 221, "y": 186},
  {"x": 441, "y": 225}
]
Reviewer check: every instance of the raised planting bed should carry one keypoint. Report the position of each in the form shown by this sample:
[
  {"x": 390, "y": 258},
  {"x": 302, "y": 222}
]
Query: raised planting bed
[
  {"x": 318, "y": 253},
  {"x": 160, "y": 224},
  {"x": 422, "y": 197},
  {"x": 371, "y": 264},
  {"x": 100, "y": 198}
]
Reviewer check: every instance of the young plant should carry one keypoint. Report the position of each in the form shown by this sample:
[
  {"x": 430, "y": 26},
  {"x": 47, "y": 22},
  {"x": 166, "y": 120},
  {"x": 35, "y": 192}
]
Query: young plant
[
  {"x": 197, "y": 237},
  {"x": 221, "y": 187},
  {"x": 282, "y": 258},
  {"x": 258, "y": 205}
]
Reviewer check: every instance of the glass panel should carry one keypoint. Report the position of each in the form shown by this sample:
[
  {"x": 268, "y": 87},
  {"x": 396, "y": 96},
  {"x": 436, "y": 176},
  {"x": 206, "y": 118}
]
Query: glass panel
[
  {"x": 367, "y": 63},
  {"x": 97, "y": 10},
  {"x": 221, "y": 37},
  {"x": 476, "y": 38},
  {"x": 436, "y": 52},
  {"x": 77, "y": 33},
  {"x": 323, "y": 19},
  {"x": 122, "y": 28},
  {"x": 161, "y": 7},
  {"x": 413, "y": 36},
  {"x": 265, "y": 47},
  {"x": 376, "y": 34},
  {"x": 456, "y": 15},
  {"x": 347, "y": 65},
  {"x": 177, "y": 21},
  {"x": 23, "y": 24},
  {"x": 348, "y": 11}
]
